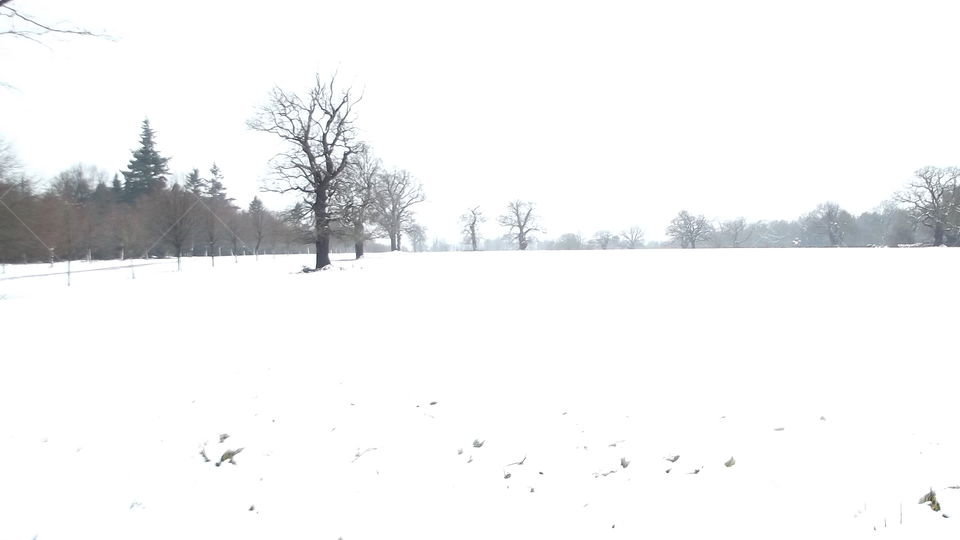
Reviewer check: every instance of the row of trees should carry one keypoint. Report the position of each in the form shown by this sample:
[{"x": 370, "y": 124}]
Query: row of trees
[
  {"x": 83, "y": 213},
  {"x": 926, "y": 211},
  {"x": 344, "y": 190}
]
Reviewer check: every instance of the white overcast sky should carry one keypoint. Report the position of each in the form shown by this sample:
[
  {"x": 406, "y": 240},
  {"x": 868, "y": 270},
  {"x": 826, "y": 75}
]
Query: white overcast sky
[{"x": 604, "y": 114}]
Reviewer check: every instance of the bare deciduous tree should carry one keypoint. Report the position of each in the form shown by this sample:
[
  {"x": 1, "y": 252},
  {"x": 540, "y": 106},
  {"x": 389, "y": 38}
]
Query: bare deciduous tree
[
  {"x": 355, "y": 202},
  {"x": 520, "y": 222},
  {"x": 417, "y": 234},
  {"x": 827, "y": 220},
  {"x": 396, "y": 195},
  {"x": 175, "y": 218},
  {"x": 471, "y": 222},
  {"x": 21, "y": 25},
  {"x": 633, "y": 237},
  {"x": 933, "y": 199},
  {"x": 320, "y": 138},
  {"x": 733, "y": 233},
  {"x": 687, "y": 230},
  {"x": 602, "y": 239}
]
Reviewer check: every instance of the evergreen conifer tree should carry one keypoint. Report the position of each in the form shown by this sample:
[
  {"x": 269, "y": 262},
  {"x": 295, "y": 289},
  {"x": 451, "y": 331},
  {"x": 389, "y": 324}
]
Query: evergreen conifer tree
[
  {"x": 147, "y": 168},
  {"x": 195, "y": 184},
  {"x": 116, "y": 188}
]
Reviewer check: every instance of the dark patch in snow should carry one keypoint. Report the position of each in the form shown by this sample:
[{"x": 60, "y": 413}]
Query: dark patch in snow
[
  {"x": 228, "y": 456},
  {"x": 931, "y": 498},
  {"x": 624, "y": 462},
  {"x": 672, "y": 459},
  {"x": 433, "y": 402},
  {"x": 730, "y": 462},
  {"x": 477, "y": 443},
  {"x": 778, "y": 429},
  {"x": 224, "y": 436},
  {"x": 518, "y": 462}
]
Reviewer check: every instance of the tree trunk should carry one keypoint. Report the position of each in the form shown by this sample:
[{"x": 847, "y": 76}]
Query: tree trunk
[
  {"x": 938, "y": 234},
  {"x": 393, "y": 242},
  {"x": 323, "y": 250},
  {"x": 398, "y": 241},
  {"x": 358, "y": 248}
]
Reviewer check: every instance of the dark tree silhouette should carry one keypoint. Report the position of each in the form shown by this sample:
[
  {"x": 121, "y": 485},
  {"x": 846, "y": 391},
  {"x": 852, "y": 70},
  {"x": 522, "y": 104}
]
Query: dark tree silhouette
[
  {"x": 520, "y": 222},
  {"x": 318, "y": 132}
]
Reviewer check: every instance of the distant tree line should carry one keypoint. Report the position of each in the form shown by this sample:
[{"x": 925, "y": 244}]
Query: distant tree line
[{"x": 925, "y": 212}]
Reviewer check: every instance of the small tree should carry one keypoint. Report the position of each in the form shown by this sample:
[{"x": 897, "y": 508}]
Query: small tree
[
  {"x": 418, "y": 236},
  {"x": 733, "y": 233},
  {"x": 194, "y": 184},
  {"x": 396, "y": 195},
  {"x": 258, "y": 219},
  {"x": 603, "y": 239},
  {"x": 471, "y": 221},
  {"x": 569, "y": 241},
  {"x": 687, "y": 230},
  {"x": 520, "y": 222},
  {"x": 633, "y": 237},
  {"x": 828, "y": 221}
]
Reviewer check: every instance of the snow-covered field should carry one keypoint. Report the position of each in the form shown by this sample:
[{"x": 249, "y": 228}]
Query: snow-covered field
[{"x": 830, "y": 376}]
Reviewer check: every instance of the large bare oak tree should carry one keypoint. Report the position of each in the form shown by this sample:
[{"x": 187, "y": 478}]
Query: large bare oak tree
[
  {"x": 687, "y": 230},
  {"x": 520, "y": 222},
  {"x": 320, "y": 138},
  {"x": 933, "y": 199}
]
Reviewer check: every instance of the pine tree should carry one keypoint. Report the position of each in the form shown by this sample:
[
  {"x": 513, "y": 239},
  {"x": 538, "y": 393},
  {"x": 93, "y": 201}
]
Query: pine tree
[
  {"x": 194, "y": 184},
  {"x": 116, "y": 189},
  {"x": 147, "y": 168},
  {"x": 215, "y": 188}
]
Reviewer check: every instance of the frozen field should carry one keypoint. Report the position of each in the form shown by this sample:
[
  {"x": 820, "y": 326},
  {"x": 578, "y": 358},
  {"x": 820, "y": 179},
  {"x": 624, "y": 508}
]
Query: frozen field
[{"x": 830, "y": 376}]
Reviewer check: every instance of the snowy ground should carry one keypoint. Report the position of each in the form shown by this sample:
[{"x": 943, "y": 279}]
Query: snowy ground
[{"x": 829, "y": 375}]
